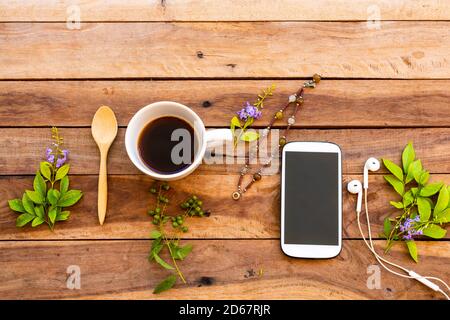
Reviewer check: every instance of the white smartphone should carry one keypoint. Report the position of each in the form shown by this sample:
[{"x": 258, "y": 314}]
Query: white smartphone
[{"x": 311, "y": 200}]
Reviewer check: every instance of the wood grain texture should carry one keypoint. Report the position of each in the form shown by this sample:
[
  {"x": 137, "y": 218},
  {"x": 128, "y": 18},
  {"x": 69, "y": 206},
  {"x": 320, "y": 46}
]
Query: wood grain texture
[
  {"x": 23, "y": 148},
  {"x": 225, "y": 10},
  {"x": 334, "y": 103},
  {"x": 255, "y": 216},
  {"x": 119, "y": 270},
  {"x": 226, "y": 50}
]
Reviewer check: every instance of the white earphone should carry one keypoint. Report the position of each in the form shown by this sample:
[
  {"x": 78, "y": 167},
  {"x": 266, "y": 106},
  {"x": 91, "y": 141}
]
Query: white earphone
[
  {"x": 355, "y": 187},
  {"x": 371, "y": 164}
]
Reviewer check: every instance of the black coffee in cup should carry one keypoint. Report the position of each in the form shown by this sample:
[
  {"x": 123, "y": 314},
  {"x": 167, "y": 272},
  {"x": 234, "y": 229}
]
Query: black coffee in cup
[{"x": 166, "y": 145}]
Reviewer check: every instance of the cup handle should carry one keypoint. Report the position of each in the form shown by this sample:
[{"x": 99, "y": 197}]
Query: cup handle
[{"x": 216, "y": 137}]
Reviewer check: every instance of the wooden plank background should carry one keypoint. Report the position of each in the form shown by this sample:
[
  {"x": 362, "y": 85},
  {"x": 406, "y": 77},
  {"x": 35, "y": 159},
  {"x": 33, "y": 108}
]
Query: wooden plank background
[
  {"x": 216, "y": 49},
  {"x": 227, "y": 10},
  {"x": 385, "y": 84}
]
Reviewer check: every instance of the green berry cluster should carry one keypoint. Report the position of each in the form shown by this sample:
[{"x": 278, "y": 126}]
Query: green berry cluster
[{"x": 191, "y": 206}]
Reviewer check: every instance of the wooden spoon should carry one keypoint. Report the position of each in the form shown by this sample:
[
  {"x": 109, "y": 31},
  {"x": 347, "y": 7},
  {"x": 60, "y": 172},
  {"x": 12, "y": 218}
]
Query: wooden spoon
[{"x": 104, "y": 131}]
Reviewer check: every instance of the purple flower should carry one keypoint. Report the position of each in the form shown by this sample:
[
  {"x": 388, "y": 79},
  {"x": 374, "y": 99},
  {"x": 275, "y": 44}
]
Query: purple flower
[
  {"x": 242, "y": 114},
  {"x": 50, "y": 157},
  {"x": 60, "y": 161},
  {"x": 249, "y": 111},
  {"x": 408, "y": 228}
]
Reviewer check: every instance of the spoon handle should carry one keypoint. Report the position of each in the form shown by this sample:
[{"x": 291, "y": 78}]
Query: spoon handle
[{"x": 102, "y": 187}]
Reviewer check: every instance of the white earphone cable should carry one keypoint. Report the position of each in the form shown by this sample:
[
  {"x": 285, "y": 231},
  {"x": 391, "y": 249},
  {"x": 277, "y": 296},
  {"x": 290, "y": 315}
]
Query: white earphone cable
[{"x": 372, "y": 249}]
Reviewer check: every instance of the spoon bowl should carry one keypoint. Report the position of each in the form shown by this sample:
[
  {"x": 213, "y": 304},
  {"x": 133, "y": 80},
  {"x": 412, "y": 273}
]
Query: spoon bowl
[{"x": 104, "y": 126}]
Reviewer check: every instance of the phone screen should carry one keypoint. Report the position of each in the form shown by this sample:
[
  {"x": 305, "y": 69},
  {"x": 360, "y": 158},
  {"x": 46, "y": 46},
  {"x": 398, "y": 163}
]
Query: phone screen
[{"x": 311, "y": 198}]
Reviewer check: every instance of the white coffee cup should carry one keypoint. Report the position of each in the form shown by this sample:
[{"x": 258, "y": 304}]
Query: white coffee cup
[{"x": 168, "y": 108}]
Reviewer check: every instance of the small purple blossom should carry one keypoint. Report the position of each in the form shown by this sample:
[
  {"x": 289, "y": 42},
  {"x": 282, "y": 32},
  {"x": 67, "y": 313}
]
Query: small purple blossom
[
  {"x": 249, "y": 111},
  {"x": 408, "y": 228},
  {"x": 50, "y": 157},
  {"x": 60, "y": 159}
]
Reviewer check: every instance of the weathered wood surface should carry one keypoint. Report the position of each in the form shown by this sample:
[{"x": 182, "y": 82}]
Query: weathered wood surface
[
  {"x": 385, "y": 84},
  {"x": 224, "y": 10},
  {"x": 23, "y": 148},
  {"x": 217, "y": 269},
  {"x": 334, "y": 103},
  {"x": 256, "y": 216},
  {"x": 226, "y": 50}
]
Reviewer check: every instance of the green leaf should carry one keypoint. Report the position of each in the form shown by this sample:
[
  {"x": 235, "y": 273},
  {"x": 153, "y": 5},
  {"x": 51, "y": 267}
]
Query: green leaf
[
  {"x": 46, "y": 172},
  {"x": 398, "y": 205},
  {"x": 412, "y": 248},
  {"x": 53, "y": 196},
  {"x": 387, "y": 227},
  {"x": 39, "y": 210},
  {"x": 39, "y": 185},
  {"x": 64, "y": 184},
  {"x": 166, "y": 284},
  {"x": 35, "y": 196},
  {"x": 442, "y": 201},
  {"x": 162, "y": 262},
  {"x": 23, "y": 219},
  {"x": 394, "y": 169},
  {"x": 155, "y": 234},
  {"x": 250, "y": 136},
  {"x": 430, "y": 189},
  {"x": 235, "y": 122},
  {"x": 248, "y": 123},
  {"x": 408, "y": 156},
  {"x": 157, "y": 245},
  {"x": 423, "y": 178},
  {"x": 414, "y": 171},
  {"x": 16, "y": 205},
  {"x": 448, "y": 188},
  {"x": 424, "y": 208},
  {"x": 62, "y": 172},
  {"x": 434, "y": 231},
  {"x": 408, "y": 198},
  {"x": 397, "y": 184},
  {"x": 69, "y": 198},
  {"x": 52, "y": 213},
  {"x": 182, "y": 252},
  {"x": 62, "y": 216},
  {"x": 27, "y": 204},
  {"x": 443, "y": 216},
  {"x": 37, "y": 221}
]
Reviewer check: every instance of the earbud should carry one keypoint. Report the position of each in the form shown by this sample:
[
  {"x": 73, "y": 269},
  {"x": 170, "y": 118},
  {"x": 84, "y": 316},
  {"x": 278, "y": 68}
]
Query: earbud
[
  {"x": 372, "y": 164},
  {"x": 355, "y": 187}
]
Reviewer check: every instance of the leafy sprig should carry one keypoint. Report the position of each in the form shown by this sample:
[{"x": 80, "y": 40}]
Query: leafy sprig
[
  {"x": 247, "y": 115},
  {"x": 191, "y": 207},
  {"x": 46, "y": 203},
  {"x": 424, "y": 206}
]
